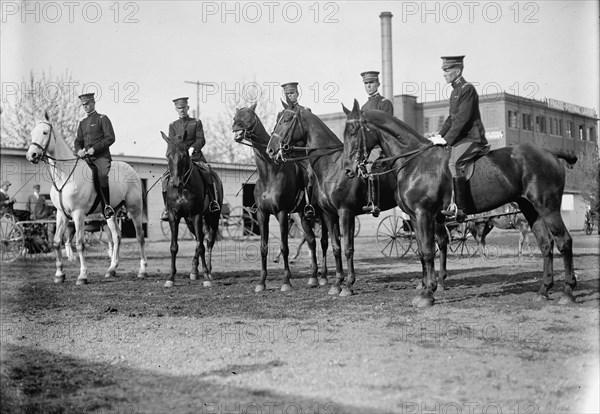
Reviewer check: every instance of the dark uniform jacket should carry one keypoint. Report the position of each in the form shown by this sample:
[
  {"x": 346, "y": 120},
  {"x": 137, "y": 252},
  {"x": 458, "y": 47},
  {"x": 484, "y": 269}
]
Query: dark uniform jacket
[
  {"x": 96, "y": 132},
  {"x": 195, "y": 135},
  {"x": 377, "y": 101},
  {"x": 5, "y": 206},
  {"x": 37, "y": 207},
  {"x": 464, "y": 123}
]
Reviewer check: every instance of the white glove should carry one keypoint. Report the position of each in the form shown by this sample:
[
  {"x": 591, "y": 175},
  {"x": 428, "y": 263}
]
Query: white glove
[
  {"x": 191, "y": 151},
  {"x": 438, "y": 140}
]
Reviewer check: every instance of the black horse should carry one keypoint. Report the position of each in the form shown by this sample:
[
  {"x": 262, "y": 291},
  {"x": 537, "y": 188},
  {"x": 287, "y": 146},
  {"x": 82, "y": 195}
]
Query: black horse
[
  {"x": 279, "y": 191},
  {"x": 526, "y": 174},
  {"x": 186, "y": 197},
  {"x": 340, "y": 198}
]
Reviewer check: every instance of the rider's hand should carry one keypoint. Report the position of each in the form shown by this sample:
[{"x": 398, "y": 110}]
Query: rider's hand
[
  {"x": 91, "y": 151},
  {"x": 438, "y": 140},
  {"x": 81, "y": 153},
  {"x": 191, "y": 151}
]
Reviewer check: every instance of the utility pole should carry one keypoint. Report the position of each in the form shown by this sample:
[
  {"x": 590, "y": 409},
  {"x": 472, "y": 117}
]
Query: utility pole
[{"x": 198, "y": 84}]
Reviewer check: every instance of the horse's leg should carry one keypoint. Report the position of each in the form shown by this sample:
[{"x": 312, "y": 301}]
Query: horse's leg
[
  {"x": 200, "y": 252},
  {"x": 61, "y": 226},
  {"x": 116, "y": 242},
  {"x": 78, "y": 217},
  {"x": 174, "y": 225},
  {"x": 486, "y": 230},
  {"x": 139, "y": 235},
  {"x": 212, "y": 224},
  {"x": 283, "y": 218},
  {"x": 442, "y": 242},
  {"x": 347, "y": 223},
  {"x": 324, "y": 246},
  {"x": 309, "y": 237},
  {"x": 425, "y": 234},
  {"x": 69, "y": 232},
  {"x": 564, "y": 243},
  {"x": 263, "y": 224},
  {"x": 334, "y": 226}
]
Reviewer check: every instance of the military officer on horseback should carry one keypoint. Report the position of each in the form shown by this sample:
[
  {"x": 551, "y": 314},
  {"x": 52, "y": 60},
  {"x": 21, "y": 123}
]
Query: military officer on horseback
[
  {"x": 375, "y": 101},
  {"x": 95, "y": 135},
  {"x": 195, "y": 141},
  {"x": 290, "y": 90},
  {"x": 463, "y": 131}
]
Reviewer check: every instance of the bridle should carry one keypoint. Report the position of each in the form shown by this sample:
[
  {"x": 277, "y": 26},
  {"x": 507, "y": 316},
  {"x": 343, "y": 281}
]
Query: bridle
[
  {"x": 45, "y": 147},
  {"x": 249, "y": 135},
  {"x": 187, "y": 175}
]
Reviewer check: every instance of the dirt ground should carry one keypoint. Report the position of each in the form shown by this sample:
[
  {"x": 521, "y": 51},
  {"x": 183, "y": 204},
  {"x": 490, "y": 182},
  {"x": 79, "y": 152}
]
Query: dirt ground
[{"x": 125, "y": 345}]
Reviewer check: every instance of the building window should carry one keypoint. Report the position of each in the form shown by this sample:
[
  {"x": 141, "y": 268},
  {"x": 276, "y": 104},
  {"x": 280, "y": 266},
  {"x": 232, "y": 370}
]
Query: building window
[
  {"x": 540, "y": 124},
  {"x": 592, "y": 134},
  {"x": 426, "y": 125},
  {"x": 581, "y": 132},
  {"x": 559, "y": 132},
  {"x": 513, "y": 119},
  {"x": 569, "y": 129},
  {"x": 552, "y": 126},
  {"x": 440, "y": 123},
  {"x": 527, "y": 124}
]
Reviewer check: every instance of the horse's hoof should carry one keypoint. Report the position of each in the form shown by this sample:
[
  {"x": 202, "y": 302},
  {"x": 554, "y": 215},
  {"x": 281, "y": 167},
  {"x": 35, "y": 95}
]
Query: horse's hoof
[
  {"x": 59, "y": 279},
  {"x": 334, "y": 290},
  {"x": 286, "y": 287},
  {"x": 323, "y": 281},
  {"x": 259, "y": 288},
  {"x": 423, "y": 301},
  {"x": 110, "y": 273},
  {"x": 81, "y": 282},
  {"x": 193, "y": 276},
  {"x": 541, "y": 297},
  {"x": 207, "y": 283},
  {"x": 142, "y": 275},
  {"x": 346, "y": 292},
  {"x": 313, "y": 282},
  {"x": 169, "y": 283},
  {"x": 566, "y": 299}
]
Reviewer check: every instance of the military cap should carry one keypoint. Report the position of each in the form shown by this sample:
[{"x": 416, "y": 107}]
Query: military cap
[
  {"x": 370, "y": 76},
  {"x": 5, "y": 182},
  {"x": 290, "y": 87},
  {"x": 36, "y": 186},
  {"x": 87, "y": 97},
  {"x": 452, "y": 61},
  {"x": 181, "y": 102}
]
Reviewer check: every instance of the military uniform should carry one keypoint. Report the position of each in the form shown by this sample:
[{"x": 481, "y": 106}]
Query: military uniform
[
  {"x": 194, "y": 138},
  {"x": 96, "y": 131},
  {"x": 36, "y": 204},
  {"x": 376, "y": 101}
]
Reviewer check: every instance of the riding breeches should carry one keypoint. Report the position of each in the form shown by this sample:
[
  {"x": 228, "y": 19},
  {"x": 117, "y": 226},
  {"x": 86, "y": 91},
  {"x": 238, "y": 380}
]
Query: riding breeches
[
  {"x": 456, "y": 153},
  {"x": 103, "y": 168}
]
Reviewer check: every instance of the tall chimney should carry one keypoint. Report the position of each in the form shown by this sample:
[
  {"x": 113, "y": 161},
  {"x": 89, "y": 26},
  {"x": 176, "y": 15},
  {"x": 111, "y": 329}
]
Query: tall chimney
[{"x": 387, "y": 81}]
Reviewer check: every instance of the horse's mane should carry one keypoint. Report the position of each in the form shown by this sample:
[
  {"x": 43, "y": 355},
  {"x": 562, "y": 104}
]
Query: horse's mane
[
  {"x": 177, "y": 144},
  {"x": 392, "y": 125},
  {"x": 330, "y": 134}
]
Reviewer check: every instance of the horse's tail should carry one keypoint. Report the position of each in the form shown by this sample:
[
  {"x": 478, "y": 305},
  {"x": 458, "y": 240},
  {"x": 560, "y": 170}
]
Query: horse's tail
[{"x": 568, "y": 156}]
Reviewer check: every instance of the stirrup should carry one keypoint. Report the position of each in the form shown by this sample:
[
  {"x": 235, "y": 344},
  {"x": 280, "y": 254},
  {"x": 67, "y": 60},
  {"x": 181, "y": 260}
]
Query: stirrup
[
  {"x": 213, "y": 206},
  {"x": 450, "y": 211},
  {"x": 108, "y": 212},
  {"x": 164, "y": 216},
  {"x": 309, "y": 211}
]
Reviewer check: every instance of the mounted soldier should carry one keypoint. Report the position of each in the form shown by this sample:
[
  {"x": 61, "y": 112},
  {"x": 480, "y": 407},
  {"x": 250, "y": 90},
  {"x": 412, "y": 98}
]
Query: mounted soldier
[
  {"x": 463, "y": 131},
  {"x": 95, "y": 135},
  {"x": 375, "y": 101},
  {"x": 195, "y": 141}
]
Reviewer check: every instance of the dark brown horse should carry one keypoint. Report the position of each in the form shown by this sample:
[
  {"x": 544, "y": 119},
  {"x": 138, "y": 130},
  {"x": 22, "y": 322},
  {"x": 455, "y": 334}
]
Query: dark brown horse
[
  {"x": 529, "y": 175},
  {"x": 186, "y": 199},
  {"x": 279, "y": 192},
  {"x": 339, "y": 197}
]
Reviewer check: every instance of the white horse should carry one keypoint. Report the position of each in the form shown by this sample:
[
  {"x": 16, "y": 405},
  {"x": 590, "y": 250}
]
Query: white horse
[{"x": 73, "y": 194}]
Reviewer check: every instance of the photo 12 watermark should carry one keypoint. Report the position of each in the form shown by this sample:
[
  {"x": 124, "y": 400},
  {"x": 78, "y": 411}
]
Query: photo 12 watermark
[
  {"x": 270, "y": 12},
  {"x": 53, "y": 12},
  {"x": 428, "y": 12}
]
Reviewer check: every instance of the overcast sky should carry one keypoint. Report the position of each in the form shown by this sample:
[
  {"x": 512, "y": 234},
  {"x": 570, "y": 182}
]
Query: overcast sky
[{"x": 138, "y": 54}]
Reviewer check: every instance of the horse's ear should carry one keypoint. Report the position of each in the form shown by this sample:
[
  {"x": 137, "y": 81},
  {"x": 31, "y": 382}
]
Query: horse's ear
[
  {"x": 253, "y": 107},
  {"x": 356, "y": 107},
  {"x": 46, "y": 116},
  {"x": 285, "y": 106},
  {"x": 346, "y": 110},
  {"x": 166, "y": 138}
]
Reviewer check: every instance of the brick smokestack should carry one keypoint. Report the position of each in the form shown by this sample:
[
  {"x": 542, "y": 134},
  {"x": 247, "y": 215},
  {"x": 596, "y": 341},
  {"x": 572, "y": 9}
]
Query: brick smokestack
[{"x": 387, "y": 81}]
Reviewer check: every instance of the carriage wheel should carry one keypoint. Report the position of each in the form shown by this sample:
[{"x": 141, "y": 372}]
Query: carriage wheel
[
  {"x": 356, "y": 226},
  {"x": 12, "y": 241},
  {"x": 461, "y": 242},
  {"x": 240, "y": 223},
  {"x": 394, "y": 236},
  {"x": 184, "y": 232}
]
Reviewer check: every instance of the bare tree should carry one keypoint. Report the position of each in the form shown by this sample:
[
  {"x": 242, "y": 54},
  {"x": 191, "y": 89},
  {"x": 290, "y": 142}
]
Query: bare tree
[
  {"x": 21, "y": 110},
  {"x": 584, "y": 176},
  {"x": 220, "y": 146}
]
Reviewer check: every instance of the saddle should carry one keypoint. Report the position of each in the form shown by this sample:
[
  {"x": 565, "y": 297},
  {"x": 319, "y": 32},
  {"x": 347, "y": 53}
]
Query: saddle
[{"x": 466, "y": 163}]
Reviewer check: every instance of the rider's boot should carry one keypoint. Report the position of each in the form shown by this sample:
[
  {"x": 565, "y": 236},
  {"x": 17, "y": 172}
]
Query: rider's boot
[
  {"x": 309, "y": 210},
  {"x": 456, "y": 207},
  {"x": 371, "y": 207},
  {"x": 164, "y": 216},
  {"x": 213, "y": 206},
  {"x": 108, "y": 210}
]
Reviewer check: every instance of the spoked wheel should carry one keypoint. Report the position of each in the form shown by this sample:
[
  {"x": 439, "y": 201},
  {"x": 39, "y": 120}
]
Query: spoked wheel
[
  {"x": 12, "y": 241},
  {"x": 461, "y": 242},
  {"x": 356, "y": 226},
  {"x": 184, "y": 232},
  {"x": 394, "y": 236},
  {"x": 240, "y": 223}
]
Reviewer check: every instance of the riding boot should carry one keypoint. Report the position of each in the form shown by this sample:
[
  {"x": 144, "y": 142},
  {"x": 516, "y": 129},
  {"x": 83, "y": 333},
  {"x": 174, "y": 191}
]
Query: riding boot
[
  {"x": 164, "y": 216},
  {"x": 108, "y": 210},
  {"x": 213, "y": 206},
  {"x": 460, "y": 195},
  {"x": 309, "y": 210},
  {"x": 371, "y": 207}
]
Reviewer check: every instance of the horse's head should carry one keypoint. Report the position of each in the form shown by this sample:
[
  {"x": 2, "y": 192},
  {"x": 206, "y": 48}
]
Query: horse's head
[
  {"x": 41, "y": 135},
  {"x": 359, "y": 140},
  {"x": 244, "y": 124},
  {"x": 287, "y": 133},
  {"x": 178, "y": 158}
]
